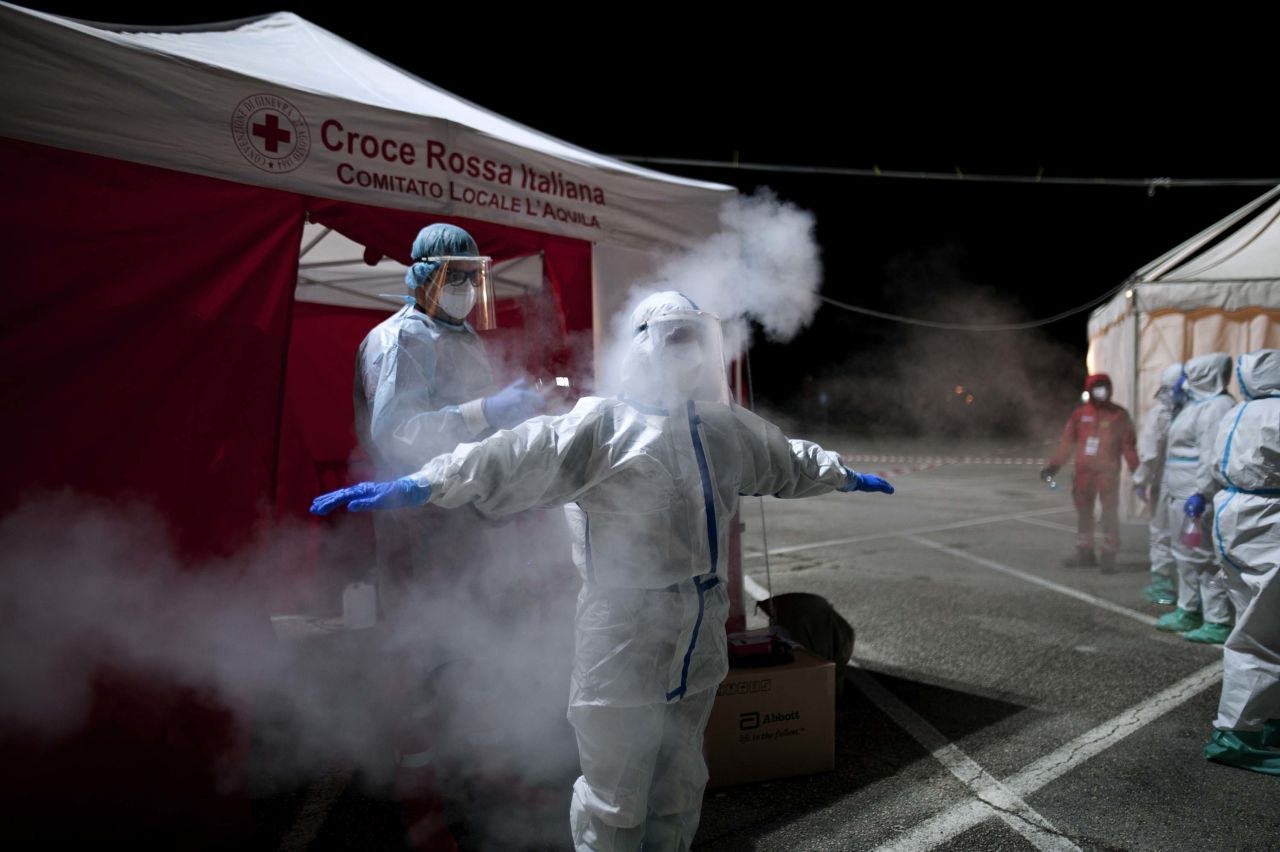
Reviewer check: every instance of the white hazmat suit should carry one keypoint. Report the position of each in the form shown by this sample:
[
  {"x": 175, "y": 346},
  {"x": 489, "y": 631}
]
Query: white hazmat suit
[
  {"x": 650, "y": 481},
  {"x": 423, "y": 385},
  {"x": 420, "y": 384},
  {"x": 1153, "y": 441},
  {"x": 1188, "y": 470},
  {"x": 1246, "y": 532},
  {"x": 419, "y": 390}
]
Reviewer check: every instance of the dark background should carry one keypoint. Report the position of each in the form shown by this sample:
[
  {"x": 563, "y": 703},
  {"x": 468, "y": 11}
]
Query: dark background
[{"x": 1077, "y": 96}]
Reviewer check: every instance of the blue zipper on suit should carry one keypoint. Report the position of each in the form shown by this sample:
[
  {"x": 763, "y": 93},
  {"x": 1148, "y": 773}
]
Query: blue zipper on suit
[{"x": 703, "y": 584}]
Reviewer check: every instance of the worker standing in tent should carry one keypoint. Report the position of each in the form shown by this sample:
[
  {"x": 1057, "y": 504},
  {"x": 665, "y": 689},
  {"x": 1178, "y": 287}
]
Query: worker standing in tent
[
  {"x": 1100, "y": 433},
  {"x": 1246, "y": 531},
  {"x": 423, "y": 385},
  {"x": 1153, "y": 440},
  {"x": 1204, "y": 610},
  {"x": 649, "y": 479}
]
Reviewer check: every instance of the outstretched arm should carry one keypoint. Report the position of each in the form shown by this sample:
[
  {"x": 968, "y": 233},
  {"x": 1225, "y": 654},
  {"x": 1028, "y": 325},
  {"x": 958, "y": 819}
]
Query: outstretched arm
[
  {"x": 546, "y": 461},
  {"x": 785, "y": 467}
]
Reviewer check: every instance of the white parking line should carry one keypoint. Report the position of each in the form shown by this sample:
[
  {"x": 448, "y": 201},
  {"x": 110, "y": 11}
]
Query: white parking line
[
  {"x": 1004, "y": 800},
  {"x": 1039, "y": 581},
  {"x": 995, "y": 798},
  {"x": 957, "y": 525},
  {"x": 962, "y": 817},
  {"x": 1003, "y": 803},
  {"x": 1040, "y": 522},
  {"x": 938, "y": 460}
]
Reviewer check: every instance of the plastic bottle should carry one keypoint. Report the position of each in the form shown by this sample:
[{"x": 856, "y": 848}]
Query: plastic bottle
[{"x": 1191, "y": 535}]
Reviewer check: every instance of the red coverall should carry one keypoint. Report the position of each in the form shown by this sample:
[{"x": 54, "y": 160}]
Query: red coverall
[{"x": 1099, "y": 433}]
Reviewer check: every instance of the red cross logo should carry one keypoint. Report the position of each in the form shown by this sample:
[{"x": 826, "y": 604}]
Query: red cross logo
[{"x": 271, "y": 133}]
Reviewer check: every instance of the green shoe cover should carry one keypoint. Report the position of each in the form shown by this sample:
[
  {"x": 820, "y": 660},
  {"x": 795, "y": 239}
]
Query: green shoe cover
[
  {"x": 1209, "y": 633},
  {"x": 1243, "y": 749},
  {"x": 1179, "y": 621},
  {"x": 1161, "y": 592}
]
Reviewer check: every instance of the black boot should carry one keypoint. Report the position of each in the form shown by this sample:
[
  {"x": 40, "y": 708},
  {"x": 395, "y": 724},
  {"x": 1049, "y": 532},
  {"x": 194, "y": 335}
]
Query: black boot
[{"x": 1083, "y": 559}]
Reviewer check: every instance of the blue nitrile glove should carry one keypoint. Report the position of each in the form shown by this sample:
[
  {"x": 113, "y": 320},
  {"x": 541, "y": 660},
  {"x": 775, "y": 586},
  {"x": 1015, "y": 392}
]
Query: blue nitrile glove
[
  {"x": 513, "y": 404},
  {"x": 1140, "y": 491},
  {"x": 373, "y": 495},
  {"x": 855, "y": 481},
  {"x": 1194, "y": 507}
]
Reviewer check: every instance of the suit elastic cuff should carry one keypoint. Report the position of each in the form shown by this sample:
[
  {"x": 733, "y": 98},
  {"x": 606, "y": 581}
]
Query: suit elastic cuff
[{"x": 473, "y": 416}]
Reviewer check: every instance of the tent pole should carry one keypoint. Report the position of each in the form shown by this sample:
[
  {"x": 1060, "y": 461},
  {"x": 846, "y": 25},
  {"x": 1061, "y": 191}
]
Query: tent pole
[
  {"x": 1137, "y": 349},
  {"x": 309, "y": 246},
  {"x": 1134, "y": 396}
]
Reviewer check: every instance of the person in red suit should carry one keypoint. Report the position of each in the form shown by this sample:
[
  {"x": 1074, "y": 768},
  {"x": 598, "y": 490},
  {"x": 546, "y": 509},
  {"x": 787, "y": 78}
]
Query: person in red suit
[{"x": 1099, "y": 432}]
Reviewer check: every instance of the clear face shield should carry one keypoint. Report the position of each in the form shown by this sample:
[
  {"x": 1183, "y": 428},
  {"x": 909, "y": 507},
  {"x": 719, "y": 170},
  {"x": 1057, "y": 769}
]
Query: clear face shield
[
  {"x": 462, "y": 286},
  {"x": 687, "y": 357}
]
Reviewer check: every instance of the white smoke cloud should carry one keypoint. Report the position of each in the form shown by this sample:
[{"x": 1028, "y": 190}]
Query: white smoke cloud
[
  {"x": 763, "y": 266},
  {"x": 90, "y": 587}
]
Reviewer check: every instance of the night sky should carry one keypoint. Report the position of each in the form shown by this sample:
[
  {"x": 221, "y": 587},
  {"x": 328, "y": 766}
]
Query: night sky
[{"x": 1062, "y": 97}]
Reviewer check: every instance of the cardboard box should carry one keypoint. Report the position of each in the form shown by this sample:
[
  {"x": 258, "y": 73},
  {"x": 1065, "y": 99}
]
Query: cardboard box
[{"x": 773, "y": 722}]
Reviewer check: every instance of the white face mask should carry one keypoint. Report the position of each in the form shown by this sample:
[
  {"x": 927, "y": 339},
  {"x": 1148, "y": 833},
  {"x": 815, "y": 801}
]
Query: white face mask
[
  {"x": 1100, "y": 393},
  {"x": 457, "y": 301}
]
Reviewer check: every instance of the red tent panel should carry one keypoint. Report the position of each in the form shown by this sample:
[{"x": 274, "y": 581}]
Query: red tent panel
[
  {"x": 146, "y": 326},
  {"x": 147, "y": 321}
]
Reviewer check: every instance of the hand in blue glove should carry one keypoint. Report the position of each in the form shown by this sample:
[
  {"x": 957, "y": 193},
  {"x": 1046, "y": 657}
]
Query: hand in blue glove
[
  {"x": 1140, "y": 491},
  {"x": 855, "y": 481},
  {"x": 1194, "y": 507},
  {"x": 373, "y": 495},
  {"x": 513, "y": 404}
]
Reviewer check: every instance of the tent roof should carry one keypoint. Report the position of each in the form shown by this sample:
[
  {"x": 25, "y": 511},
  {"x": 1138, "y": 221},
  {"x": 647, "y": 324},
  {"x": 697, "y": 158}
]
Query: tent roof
[
  {"x": 1232, "y": 265},
  {"x": 288, "y": 50},
  {"x": 1243, "y": 246},
  {"x": 172, "y": 96}
]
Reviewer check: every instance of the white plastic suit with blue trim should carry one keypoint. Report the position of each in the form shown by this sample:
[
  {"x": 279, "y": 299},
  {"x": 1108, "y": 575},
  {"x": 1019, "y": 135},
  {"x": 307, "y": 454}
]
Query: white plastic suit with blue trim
[
  {"x": 1246, "y": 532},
  {"x": 1188, "y": 469},
  {"x": 422, "y": 374},
  {"x": 420, "y": 384},
  {"x": 1152, "y": 444},
  {"x": 419, "y": 390},
  {"x": 652, "y": 479}
]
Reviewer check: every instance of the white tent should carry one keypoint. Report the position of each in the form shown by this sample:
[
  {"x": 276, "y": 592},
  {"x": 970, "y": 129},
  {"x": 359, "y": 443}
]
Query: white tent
[
  {"x": 279, "y": 102},
  {"x": 1217, "y": 292}
]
